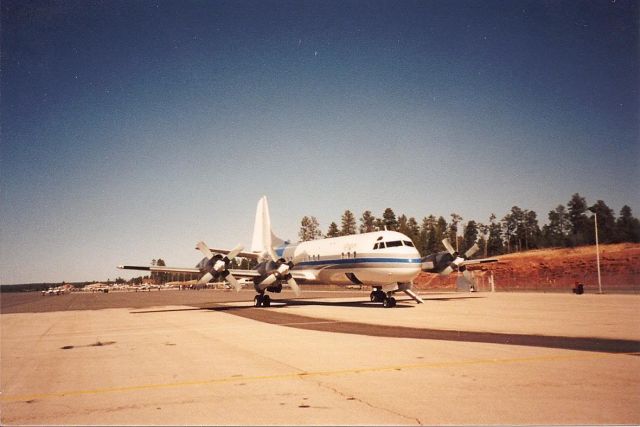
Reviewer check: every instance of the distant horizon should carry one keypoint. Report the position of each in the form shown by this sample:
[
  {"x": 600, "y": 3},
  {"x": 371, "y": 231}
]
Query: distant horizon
[{"x": 134, "y": 275}]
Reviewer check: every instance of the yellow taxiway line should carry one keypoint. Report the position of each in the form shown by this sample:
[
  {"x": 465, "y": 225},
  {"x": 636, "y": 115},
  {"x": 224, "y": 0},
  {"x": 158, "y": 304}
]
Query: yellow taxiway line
[{"x": 309, "y": 374}]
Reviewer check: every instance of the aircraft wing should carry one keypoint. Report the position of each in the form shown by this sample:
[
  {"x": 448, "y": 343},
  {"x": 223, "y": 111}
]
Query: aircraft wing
[
  {"x": 297, "y": 275},
  {"x": 301, "y": 275},
  {"x": 160, "y": 269},
  {"x": 163, "y": 269},
  {"x": 478, "y": 261}
]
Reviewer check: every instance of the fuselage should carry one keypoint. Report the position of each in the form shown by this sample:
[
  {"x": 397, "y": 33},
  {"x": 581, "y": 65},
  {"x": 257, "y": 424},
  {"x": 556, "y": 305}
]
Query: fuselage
[{"x": 376, "y": 258}]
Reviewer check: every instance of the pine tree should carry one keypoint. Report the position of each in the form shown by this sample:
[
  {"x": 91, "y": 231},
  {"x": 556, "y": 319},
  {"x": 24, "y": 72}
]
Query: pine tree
[
  {"x": 555, "y": 234},
  {"x": 413, "y": 230},
  {"x": 606, "y": 222},
  {"x": 532, "y": 230},
  {"x": 453, "y": 229},
  {"x": 441, "y": 233},
  {"x": 402, "y": 224},
  {"x": 309, "y": 229},
  {"x": 580, "y": 227},
  {"x": 348, "y": 223},
  {"x": 390, "y": 220},
  {"x": 367, "y": 222},
  {"x": 470, "y": 236},
  {"x": 495, "y": 245},
  {"x": 427, "y": 243},
  {"x": 627, "y": 227},
  {"x": 333, "y": 230},
  {"x": 483, "y": 230}
]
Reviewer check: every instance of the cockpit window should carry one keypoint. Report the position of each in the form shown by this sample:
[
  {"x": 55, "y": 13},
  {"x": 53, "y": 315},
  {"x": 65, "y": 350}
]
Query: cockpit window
[
  {"x": 408, "y": 243},
  {"x": 379, "y": 245},
  {"x": 394, "y": 243}
]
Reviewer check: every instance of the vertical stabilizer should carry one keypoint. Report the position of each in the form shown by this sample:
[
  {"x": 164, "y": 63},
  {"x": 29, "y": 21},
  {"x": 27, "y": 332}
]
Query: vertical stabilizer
[{"x": 263, "y": 238}]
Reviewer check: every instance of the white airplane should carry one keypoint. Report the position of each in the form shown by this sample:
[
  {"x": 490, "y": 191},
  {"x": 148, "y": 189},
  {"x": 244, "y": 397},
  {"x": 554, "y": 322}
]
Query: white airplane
[{"x": 385, "y": 260}]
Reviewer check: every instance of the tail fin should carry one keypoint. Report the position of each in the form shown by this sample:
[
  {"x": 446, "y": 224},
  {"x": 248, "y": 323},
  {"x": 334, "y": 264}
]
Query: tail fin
[{"x": 263, "y": 238}]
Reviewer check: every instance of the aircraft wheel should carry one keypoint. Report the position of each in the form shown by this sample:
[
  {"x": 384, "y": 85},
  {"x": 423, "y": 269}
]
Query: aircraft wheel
[
  {"x": 389, "y": 302},
  {"x": 257, "y": 300},
  {"x": 373, "y": 296},
  {"x": 266, "y": 301}
]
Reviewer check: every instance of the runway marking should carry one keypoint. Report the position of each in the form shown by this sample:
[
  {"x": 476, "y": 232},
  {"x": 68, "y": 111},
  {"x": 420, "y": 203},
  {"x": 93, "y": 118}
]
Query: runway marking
[{"x": 308, "y": 374}]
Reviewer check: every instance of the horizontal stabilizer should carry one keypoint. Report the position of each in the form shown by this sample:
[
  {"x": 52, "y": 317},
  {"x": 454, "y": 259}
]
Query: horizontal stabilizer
[{"x": 242, "y": 254}]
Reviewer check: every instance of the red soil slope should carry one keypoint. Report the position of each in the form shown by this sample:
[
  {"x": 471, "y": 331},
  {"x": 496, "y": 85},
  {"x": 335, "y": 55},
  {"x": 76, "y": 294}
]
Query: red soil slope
[{"x": 553, "y": 270}]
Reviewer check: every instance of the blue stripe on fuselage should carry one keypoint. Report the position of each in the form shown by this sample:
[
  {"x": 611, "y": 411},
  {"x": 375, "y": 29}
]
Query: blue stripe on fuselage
[{"x": 360, "y": 261}]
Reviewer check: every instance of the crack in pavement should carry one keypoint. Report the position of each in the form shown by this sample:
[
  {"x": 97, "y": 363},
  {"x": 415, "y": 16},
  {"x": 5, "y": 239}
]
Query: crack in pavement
[{"x": 352, "y": 397}]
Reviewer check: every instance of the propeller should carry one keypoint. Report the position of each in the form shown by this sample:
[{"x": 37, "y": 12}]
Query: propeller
[
  {"x": 282, "y": 267},
  {"x": 218, "y": 265},
  {"x": 457, "y": 263},
  {"x": 282, "y": 271}
]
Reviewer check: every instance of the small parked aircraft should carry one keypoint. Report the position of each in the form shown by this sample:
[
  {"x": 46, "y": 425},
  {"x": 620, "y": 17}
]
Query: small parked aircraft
[{"x": 385, "y": 260}]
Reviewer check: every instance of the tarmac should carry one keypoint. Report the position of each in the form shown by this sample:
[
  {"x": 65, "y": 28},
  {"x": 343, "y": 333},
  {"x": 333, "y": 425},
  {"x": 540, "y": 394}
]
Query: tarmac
[{"x": 329, "y": 359}]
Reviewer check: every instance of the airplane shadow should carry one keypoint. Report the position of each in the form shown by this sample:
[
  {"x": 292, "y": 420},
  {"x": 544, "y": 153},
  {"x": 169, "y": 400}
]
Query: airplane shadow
[{"x": 285, "y": 303}]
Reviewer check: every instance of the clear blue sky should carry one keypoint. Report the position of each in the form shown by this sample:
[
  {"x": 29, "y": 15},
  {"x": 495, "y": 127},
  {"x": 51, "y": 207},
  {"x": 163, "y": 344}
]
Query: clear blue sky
[{"x": 133, "y": 129}]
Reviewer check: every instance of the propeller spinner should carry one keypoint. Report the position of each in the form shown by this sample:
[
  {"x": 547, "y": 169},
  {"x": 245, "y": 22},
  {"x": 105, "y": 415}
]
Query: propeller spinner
[
  {"x": 448, "y": 261},
  {"x": 281, "y": 270},
  {"x": 218, "y": 265}
]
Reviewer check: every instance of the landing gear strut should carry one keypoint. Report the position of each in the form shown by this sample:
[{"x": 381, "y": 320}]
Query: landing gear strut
[
  {"x": 377, "y": 295},
  {"x": 262, "y": 300},
  {"x": 387, "y": 300}
]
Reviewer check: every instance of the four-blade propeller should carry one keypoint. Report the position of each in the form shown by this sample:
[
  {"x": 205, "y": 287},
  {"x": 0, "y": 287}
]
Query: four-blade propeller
[
  {"x": 458, "y": 262},
  {"x": 218, "y": 265},
  {"x": 281, "y": 268}
]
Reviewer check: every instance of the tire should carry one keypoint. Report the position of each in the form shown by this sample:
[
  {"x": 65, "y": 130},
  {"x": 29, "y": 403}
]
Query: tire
[
  {"x": 257, "y": 301},
  {"x": 266, "y": 301},
  {"x": 373, "y": 297}
]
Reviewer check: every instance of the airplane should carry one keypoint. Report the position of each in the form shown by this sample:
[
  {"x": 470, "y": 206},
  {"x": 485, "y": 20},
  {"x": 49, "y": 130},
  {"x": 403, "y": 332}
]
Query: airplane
[{"x": 388, "y": 261}]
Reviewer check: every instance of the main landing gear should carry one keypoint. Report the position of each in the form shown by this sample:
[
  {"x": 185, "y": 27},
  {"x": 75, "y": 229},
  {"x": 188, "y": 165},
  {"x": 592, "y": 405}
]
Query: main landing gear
[
  {"x": 377, "y": 295},
  {"x": 262, "y": 300}
]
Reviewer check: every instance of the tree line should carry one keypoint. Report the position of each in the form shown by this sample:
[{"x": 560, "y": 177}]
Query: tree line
[{"x": 519, "y": 230}]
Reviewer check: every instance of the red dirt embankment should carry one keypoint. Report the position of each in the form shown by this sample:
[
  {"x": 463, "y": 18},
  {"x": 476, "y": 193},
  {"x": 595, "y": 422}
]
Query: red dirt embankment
[{"x": 553, "y": 270}]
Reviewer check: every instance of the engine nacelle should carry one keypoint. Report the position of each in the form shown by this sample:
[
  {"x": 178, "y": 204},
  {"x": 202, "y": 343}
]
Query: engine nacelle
[
  {"x": 275, "y": 288},
  {"x": 436, "y": 263}
]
